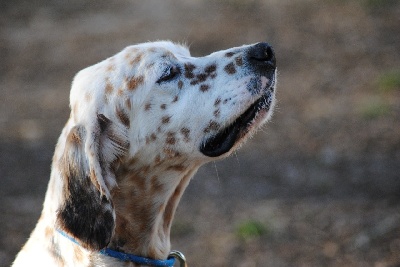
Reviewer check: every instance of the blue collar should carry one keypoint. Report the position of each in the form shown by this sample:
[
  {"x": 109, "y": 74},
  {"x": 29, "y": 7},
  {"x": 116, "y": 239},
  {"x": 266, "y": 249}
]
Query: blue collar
[{"x": 129, "y": 257}]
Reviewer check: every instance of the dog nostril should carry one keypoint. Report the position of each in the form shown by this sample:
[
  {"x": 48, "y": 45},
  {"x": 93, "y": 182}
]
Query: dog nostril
[
  {"x": 262, "y": 53},
  {"x": 269, "y": 54}
]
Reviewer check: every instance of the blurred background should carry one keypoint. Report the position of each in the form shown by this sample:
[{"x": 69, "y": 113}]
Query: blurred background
[{"x": 318, "y": 186}]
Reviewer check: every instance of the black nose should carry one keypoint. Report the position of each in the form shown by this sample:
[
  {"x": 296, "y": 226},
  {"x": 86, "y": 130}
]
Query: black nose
[{"x": 262, "y": 56}]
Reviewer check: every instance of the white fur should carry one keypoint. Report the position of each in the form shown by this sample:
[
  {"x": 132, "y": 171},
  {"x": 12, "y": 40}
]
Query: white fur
[{"x": 187, "y": 107}]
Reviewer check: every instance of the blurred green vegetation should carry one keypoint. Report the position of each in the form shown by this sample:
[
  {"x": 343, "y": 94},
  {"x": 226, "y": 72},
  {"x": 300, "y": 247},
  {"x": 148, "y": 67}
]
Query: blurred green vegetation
[
  {"x": 378, "y": 104},
  {"x": 374, "y": 107},
  {"x": 389, "y": 81},
  {"x": 251, "y": 229}
]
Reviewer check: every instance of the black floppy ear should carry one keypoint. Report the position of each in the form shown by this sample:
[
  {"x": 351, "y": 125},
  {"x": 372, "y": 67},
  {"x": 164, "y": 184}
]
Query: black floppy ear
[{"x": 87, "y": 213}]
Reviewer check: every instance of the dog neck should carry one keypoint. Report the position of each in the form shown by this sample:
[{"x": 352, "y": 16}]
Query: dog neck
[
  {"x": 145, "y": 203},
  {"x": 145, "y": 199}
]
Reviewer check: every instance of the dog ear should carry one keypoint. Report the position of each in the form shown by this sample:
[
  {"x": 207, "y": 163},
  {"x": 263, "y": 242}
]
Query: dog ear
[{"x": 87, "y": 212}]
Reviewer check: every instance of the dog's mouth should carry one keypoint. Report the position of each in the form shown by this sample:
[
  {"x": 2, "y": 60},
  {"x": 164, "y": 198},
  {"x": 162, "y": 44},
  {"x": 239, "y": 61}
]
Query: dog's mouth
[{"x": 225, "y": 139}]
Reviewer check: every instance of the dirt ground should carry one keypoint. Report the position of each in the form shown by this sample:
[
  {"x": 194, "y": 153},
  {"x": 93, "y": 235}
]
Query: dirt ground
[{"x": 319, "y": 186}]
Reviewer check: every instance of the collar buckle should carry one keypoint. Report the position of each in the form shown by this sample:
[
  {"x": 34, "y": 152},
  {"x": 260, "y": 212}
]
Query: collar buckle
[{"x": 179, "y": 256}]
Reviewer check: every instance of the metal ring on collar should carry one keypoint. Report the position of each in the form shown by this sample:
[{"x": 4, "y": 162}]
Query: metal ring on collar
[{"x": 179, "y": 256}]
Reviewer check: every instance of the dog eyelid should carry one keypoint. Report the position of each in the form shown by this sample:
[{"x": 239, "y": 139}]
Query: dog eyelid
[{"x": 169, "y": 74}]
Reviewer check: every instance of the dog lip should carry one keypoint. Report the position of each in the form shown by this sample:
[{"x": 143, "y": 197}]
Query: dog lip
[
  {"x": 225, "y": 139},
  {"x": 222, "y": 142}
]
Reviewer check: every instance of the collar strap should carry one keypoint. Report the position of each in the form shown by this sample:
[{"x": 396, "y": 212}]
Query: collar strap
[{"x": 129, "y": 257}]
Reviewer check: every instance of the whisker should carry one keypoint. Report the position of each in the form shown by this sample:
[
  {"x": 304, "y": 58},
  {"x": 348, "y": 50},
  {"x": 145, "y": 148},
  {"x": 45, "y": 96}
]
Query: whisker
[
  {"x": 237, "y": 159},
  {"x": 216, "y": 171}
]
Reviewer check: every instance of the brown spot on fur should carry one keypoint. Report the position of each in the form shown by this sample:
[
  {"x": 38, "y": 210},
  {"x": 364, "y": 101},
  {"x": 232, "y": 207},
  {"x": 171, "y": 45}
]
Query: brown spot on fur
[
  {"x": 157, "y": 160},
  {"x": 177, "y": 155},
  {"x": 189, "y": 70},
  {"x": 134, "y": 82},
  {"x": 176, "y": 98},
  {"x": 153, "y": 137},
  {"x": 109, "y": 88},
  {"x": 170, "y": 140},
  {"x": 152, "y": 50},
  {"x": 194, "y": 82},
  {"x": 110, "y": 67},
  {"x": 120, "y": 92},
  {"x": 128, "y": 103},
  {"x": 123, "y": 117},
  {"x": 211, "y": 68},
  {"x": 138, "y": 181},
  {"x": 165, "y": 119},
  {"x": 212, "y": 126},
  {"x": 204, "y": 87},
  {"x": 145, "y": 169},
  {"x": 217, "y": 102},
  {"x": 74, "y": 137},
  {"x": 230, "y": 68},
  {"x": 180, "y": 85},
  {"x": 130, "y": 51},
  {"x": 186, "y": 134},
  {"x": 177, "y": 167},
  {"x": 147, "y": 140},
  {"x": 163, "y": 106},
  {"x": 140, "y": 205},
  {"x": 229, "y": 54},
  {"x": 239, "y": 61},
  {"x": 201, "y": 77},
  {"x": 132, "y": 161},
  {"x": 147, "y": 106},
  {"x": 171, "y": 153},
  {"x": 225, "y": 101},
  {"x": 217, "y": 112},
  {"x": 156, "y": 186},
  {"x": 136, "y": 59}
]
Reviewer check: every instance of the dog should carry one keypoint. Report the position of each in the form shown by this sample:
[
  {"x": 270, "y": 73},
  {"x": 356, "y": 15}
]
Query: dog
[{"x": 142, "y": 122}]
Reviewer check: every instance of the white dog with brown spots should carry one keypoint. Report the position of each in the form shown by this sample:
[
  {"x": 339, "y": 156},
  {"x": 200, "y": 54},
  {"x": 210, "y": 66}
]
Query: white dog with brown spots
[{"x": 142, "y": 122}]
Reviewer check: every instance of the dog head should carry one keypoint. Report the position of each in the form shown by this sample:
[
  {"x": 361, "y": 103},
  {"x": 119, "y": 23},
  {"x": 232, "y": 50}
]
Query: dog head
[{"x": 156, "y": 104}]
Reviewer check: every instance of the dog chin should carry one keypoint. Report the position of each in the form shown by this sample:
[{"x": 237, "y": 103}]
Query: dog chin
[{"x": 229, "y": 138}]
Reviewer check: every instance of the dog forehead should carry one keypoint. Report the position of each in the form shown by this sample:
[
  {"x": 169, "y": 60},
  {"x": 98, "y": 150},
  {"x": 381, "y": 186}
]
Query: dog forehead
[{"x": 160, "y": 48}]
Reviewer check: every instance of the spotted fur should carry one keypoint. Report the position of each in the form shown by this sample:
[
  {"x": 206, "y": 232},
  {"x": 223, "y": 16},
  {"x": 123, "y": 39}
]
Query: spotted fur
[{"x": 142, "y": 122}]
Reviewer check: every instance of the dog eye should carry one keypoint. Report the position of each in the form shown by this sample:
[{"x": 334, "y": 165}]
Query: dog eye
[{"x": 170, "y": 73}]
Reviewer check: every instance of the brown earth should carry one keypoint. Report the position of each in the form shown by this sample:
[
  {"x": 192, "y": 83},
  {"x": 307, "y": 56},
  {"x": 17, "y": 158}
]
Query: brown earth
[{"x": 319, "y": 186}]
